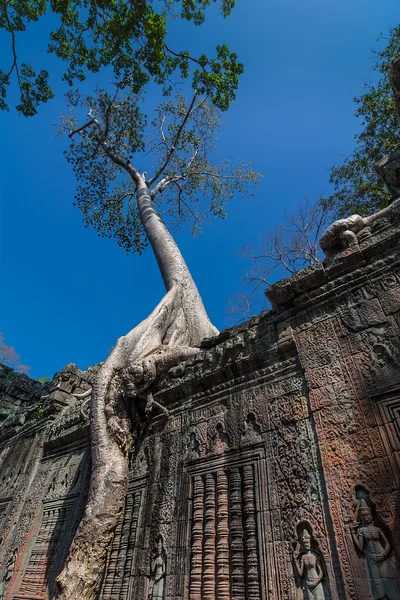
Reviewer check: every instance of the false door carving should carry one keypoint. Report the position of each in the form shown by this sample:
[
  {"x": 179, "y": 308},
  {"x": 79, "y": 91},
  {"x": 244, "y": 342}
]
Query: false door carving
[{"x": 227, "y": 513}]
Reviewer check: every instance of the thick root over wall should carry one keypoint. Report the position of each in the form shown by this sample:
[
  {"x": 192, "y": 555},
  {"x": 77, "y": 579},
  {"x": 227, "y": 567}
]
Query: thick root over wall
[{"x": 171, "y": 333}]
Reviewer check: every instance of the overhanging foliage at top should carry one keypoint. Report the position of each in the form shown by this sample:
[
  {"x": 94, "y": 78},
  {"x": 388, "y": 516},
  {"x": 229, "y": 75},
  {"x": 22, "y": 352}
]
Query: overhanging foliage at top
[
  {"x": 358, "y": 189},
  {"x": 127, "y": 36}
]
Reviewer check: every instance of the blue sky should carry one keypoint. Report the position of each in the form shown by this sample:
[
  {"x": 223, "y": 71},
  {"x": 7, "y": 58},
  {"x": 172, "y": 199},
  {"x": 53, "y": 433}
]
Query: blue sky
[{"x": 66, "y": 294}]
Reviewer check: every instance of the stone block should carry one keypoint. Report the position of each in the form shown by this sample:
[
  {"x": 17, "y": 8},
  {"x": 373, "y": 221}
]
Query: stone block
[
  {"x": 345, "y": 262},
  {"x": 280, "y": 293},
  {"x": 390, "y": 301},
  {"x": 367, "y": 314},
  {"x": 309, "y": 278}
]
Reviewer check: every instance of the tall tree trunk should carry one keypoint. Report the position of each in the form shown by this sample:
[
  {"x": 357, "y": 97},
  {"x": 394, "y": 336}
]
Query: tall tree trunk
[{"x": 173, "y": 331}]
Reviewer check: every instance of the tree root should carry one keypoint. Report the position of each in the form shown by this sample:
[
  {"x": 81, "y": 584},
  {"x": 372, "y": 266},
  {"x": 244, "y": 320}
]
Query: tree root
[
  {"x": 342, "y": 234},
  {"x": 171, "y": 333}
]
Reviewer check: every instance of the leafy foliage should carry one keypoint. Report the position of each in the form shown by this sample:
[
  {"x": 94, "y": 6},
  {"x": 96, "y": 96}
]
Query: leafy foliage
[
  {"x": 358, "y": 187},
  {"x": 179, "y": 149},
  {"x": 127, "y": 36}
]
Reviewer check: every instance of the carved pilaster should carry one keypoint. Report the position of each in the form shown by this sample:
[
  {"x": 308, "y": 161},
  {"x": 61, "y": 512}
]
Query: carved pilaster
[
  {"x": 252, "y": 564},
  {"x": 196, "y": 566},
  {"x": 237, "y": 535},
  {"x": 133, "y": 507},
  {"x": 209, "y": 539},
  {"x": 222, "y": 537}
]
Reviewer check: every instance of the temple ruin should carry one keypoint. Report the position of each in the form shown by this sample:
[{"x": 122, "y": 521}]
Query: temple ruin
[{"x": 276, "y": 475}]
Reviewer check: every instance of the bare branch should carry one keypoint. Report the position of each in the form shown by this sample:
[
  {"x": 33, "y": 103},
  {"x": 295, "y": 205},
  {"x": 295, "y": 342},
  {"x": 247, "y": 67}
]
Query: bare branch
[
  {"x": 290, "y": 246},
  {"x": 75, "y": 131},
  {"x": 180, "y": 200},
  {"x": 174, "y": 143}
]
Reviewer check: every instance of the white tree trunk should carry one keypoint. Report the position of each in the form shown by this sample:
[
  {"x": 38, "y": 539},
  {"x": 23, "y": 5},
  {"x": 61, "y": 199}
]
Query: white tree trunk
[{"x": 173, "y": 331}]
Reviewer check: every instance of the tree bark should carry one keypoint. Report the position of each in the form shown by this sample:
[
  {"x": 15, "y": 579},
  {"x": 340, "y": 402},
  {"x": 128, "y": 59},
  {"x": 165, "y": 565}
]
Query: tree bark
[{"x": 173, "y": 331}]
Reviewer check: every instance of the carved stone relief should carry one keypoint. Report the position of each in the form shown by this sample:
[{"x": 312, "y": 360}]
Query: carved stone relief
[
  {"x": 158, "y": 568},
  {"x": 251, "y": 429},
  {"x": 8, "y": 573},
  {"x": 60, "y": 519},
  {"x": 309, "y": 566},
  {"x": 120, "y": 573}
]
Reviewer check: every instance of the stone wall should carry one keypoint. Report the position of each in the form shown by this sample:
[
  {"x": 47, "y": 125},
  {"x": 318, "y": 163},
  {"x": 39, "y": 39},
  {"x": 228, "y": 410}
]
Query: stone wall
[{"x": 276, "y": 475}]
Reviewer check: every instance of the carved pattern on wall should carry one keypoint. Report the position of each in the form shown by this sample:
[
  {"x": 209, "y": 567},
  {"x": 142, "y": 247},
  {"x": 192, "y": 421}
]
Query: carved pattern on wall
[
  {"x": 119, "y": 569},
  {"x": 3, "y": 513},
  {"x": 60, "y": 519},
  {"x": 16, "y": 467},
  {"x": 226, "y": 551},
  {"x": 10, "y": 566}
]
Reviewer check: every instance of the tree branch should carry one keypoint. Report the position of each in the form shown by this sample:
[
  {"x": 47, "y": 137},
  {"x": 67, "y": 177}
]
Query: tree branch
[
  {"x": 73, "y": 132},
  {"x": 185, "y": 56},
  {"x": 116, "y": 158},
  {"x": 13, "y": 46},
  {"x": 173, "y": 145}
]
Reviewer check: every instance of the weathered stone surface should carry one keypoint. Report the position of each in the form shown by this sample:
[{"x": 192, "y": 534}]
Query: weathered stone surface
[
  {"x": 364, "y": 315},
  {"x": 275, "y": 475}
]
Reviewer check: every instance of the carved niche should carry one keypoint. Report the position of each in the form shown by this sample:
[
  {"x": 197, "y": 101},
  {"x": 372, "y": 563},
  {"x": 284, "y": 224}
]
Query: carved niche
[{"x": 158, "y": 568}]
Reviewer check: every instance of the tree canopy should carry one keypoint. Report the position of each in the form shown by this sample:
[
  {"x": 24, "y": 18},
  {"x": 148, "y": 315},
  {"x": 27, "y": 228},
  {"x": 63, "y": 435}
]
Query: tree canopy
[
  {"x": 358, "y": 189},
  {"x": 128, "y": 37},
  {"x": 177, "y": 150}
]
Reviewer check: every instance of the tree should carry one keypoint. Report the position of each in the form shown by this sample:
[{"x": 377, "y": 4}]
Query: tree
[
  {"x": 10, "y": 358},
  {"x": 358, "y": 187},
  {"x": 285, "y": 249},
  {"x": 120, "y": 202},
  {"x": 128, "y": 37}
]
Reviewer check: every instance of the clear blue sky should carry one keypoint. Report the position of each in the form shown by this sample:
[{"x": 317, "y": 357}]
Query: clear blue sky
[{"x": 66, "y": 294}]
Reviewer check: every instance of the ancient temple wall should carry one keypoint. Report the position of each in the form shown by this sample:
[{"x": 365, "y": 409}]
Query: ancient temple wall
[
  {"x": 44, "y": 466},
  {"x": 276, "y": 475},
  {"x": 346, "y": 330}
]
